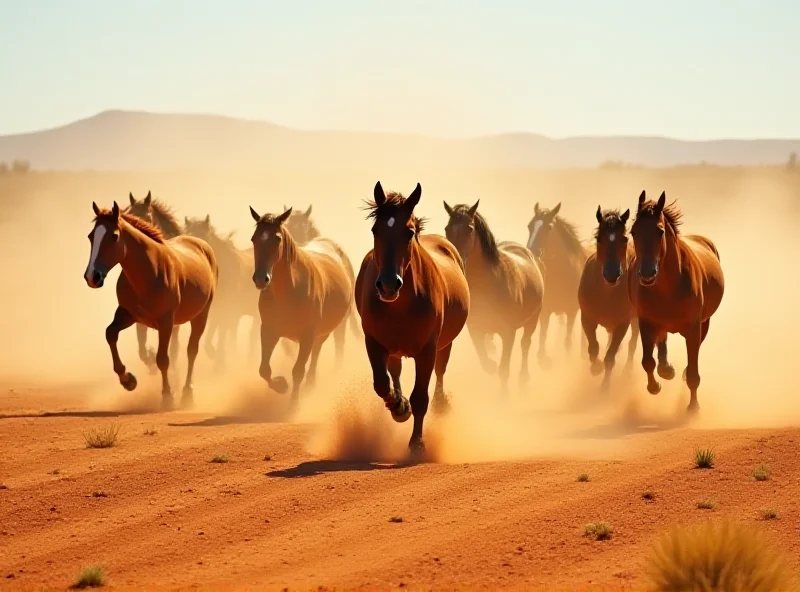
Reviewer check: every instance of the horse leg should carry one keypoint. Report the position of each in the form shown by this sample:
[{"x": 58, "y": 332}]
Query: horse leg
[
  {"x": 617, "y": 335},
  {"x": 584, "y": 345},
  {"x": 379, "y": 358},
  {"x": 525, "y": 345},
  {"x": 165, "y": 329},
  {"x": 570, "y": 330},
  {"x": 213, "y": 325},
  {"x": 198, "y": 325},
  {"x": 254, "y": 338},
  {"x": 648, "y": 334},
  {"x": 593, "y": 348},
  {"x": 665, "y": 369},
  {"x": 122, "y": 320},
  {"x": 339, "y": 334},
  {"x": 311, "y": 375},
  {"x": 268, "y": 342},
  {"x": 147, "y": 356},
  {"x": 479, "y": 341},
  {"x": 299, "y": 368},
  {"x": 288, "y": 347},
  {"x": 395, "y": 366},
  {"x": 544, "y": 323},
  {"x": 507, "y": 337},
  {"x": 694, "y": 337},
  {"x": 223, "y": 342},
  {"x": 440, "y": 402},
  {"x": 424, "y": 364},
  {"x": 632, "y": 342},
  {"x": 174, "y": 345}
]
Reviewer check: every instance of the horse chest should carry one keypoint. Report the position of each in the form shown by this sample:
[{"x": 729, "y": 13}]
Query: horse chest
[{"x": 403, "y": 330}]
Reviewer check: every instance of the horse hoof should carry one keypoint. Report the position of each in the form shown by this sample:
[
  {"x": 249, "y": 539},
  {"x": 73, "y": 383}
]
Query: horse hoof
[
  {"x": 666, "y": 371},
  {"x": 401, "y": 411},
  {"x": 654, "y": 387},
  {"x": 416, "y": 450},
  {"x": 128, "y": 382},
  {"x": 596, "y": 368},
  {"x": 279, "y": 385},
  {"x": 693, "y": 408},
  {"x": 605, "y": 386},
  {"x": 167, "y": 403},
  {"x": 440, "y": 404}
]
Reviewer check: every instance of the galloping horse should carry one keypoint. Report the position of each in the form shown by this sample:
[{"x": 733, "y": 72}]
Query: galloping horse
[
  {"x": 603, "y": 296},
  {"x": 301, "y": 226},
  {"x": 419, "y": 322},
  {"x": 159, "y": 214},
  {"x": 162, "y": 284},
  {"x": 505, "y": 285},
  {"x": 555, "y": 241},
  {"x": 234, "y": 298},
  {"x": 677, "y": 287},
  {"x": 306, "y": 294}
]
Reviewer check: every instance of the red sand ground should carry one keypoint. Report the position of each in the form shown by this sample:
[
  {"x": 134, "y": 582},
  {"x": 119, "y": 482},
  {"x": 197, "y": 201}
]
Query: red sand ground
[{"x": 159, "y": 515}]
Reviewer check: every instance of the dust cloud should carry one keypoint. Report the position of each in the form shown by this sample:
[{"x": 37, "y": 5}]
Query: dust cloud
[{"x": 53, "y": 324}]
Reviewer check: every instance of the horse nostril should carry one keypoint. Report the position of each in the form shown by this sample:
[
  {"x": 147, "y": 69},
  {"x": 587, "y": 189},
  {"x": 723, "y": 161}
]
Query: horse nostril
[
  {"x": 379, "y": 285},
  {"x": 96, "y": 277},
  {"x": 398, "y": 283}
]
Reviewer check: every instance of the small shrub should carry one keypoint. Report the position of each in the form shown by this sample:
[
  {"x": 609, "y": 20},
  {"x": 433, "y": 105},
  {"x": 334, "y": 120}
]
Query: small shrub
[
  {"x": 99, "y": 494},
  {"x": 583, "y": 477},
  {"x": 704, "y": 458},
  {"x": 769, "y": 514},
  {"x": 725, "y": 556},
  {"x": 102, "y": 437},
  {"x": 707, "y": 504},
  {"x": 761, "y": 473},
  {"x": 91, "y": 577},
  {"x": 150, "y": 432},
  {"x": 599, "y": 531},
  {"x": 649, "y": 496},
  {"x": 219, "y": 459},
  {"x": 396, "y": 519}
]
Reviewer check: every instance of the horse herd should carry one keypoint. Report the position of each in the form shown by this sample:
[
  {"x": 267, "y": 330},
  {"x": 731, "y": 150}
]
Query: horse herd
[{"x": 414, "y": 292}]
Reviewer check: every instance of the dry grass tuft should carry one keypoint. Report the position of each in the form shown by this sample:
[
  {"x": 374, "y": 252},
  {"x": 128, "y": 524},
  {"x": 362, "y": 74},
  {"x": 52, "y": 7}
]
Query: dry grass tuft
[
  {"x": 768, "y": 514},
  {"x": 583, "y": 478},
  {"x": 90, "y": 577},
  {"x": 219, "y": 459},
  {"x": 724, "y": 557},
  {"x": 649, "y": 496},
  {"x": 396, "y": 519},
  {"x": 102, "y": 437},
  {"x": 599, "y": 531},
  {"x": 704, "y": 458},
  {"x": 762, "y": 473},
  {"x": 707, "y": 504}
]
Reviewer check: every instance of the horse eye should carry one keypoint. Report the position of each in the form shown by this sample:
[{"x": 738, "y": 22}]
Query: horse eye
[{"x": 115, "y": 237}]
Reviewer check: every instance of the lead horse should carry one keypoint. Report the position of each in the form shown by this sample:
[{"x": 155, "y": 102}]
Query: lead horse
[
  {"x": 163, "y": 283},
  {"x": 677, "y": 287},
  {"x": 420, "y": 321},
  {"x": 505, "y": 284}
]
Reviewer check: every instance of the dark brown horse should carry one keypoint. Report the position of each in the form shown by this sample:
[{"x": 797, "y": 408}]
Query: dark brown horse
[
  {"x": 306, "y": 294},
  {"x": 419, "y": 322},
  {"x": 157, "y": 213},
  {"x": 555, "y": 241},
  {"x": 677, "y": 286},
  {"x": 603, "y": 296},
  {"x": 234, "y": 298},
  {"x": 505, "y": 286},
  {"x": 163, "y": 283}
]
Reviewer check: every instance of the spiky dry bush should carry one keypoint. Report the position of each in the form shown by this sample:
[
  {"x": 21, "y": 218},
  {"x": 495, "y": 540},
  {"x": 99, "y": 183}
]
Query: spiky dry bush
[{"x": 716, "y": 557}]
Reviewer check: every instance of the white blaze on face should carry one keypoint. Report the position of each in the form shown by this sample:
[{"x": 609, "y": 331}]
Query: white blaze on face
[
  {"x": 97, "y": 239},
  {"x": 536, "y": 227},
  {"x": 612, "y": 237},
  {"x": 390, "y": 222},
  {"x": 265, "y": 236}
]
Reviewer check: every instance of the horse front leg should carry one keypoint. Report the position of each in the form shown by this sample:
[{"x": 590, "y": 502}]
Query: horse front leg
[
  {"x": 299, "y": 368},
  {"x": 425, "y": 363},
  {"x": 165, "y": 329},
  {"x": 146, "y": 355},
  {"x": 269, "y": 339},
  {"x": 665, "y": 369},
  {"x": 479, "y": 340},
  {"x": 611, "y": 353},
  {"x": 507, "y": 338},
  {"x": 122, "y": 320},
  {"x": 589, "y": 327},
  {"x": 198, "y": 325},
  {"x": 694, "y": 336},
  {"x": 570, "y": 330},
  {"x": 544, "y": 323},
  {"x": 440, "y": 402},
  {"x": 525, "y": 346},
  {"x": 632, "y": 342},
  {"x": 311, "y": 375},
  {"x": 379, "y": 358},
  {"x": 647, "y": 332}
]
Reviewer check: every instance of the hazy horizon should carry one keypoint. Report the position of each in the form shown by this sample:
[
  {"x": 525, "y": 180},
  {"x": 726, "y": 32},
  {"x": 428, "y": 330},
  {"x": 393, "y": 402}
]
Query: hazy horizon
[{"x": 692, "y": 71}]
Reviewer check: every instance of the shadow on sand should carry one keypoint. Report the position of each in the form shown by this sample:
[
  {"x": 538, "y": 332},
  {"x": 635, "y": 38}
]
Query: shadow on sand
[{"x": 320, "y": 467}]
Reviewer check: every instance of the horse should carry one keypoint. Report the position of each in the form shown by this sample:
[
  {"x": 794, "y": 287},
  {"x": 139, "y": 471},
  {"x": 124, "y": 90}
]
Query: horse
[
  {"x": 306, "y": 293},
  {"x": 163, "y": 283},
  {"x": 505, "y": 284},
  {"x": 419, "y": 322},
  {"x": 301, "y": 226},
  {"x": 563, "y": 260},
  {"x": 677, "y": 287},
  {"x": 234, "y": 298},
  {"x": 603, "y": 296},
  {"x": 160, "y": 215}
]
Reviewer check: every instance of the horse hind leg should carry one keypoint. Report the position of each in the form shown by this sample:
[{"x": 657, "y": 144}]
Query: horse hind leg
[
  {"x": 694, "y": 338},
  {"x": 174, "y": 351},
  {"x": 441, "y": 404},
  {"x": 299, "y": 368},
  {"x": 632, "y": 343},
  {"x": 617, "y": 335},
  {"x": 525, "y": 346},
  {"x": 425, "y": 363},
  {"x": 589, "y": 327},
  {"x": 198, "y": 326},
  {"x": 544, "y": 359},
  {"x": 339, "y": 335},
  {"x": 122, "y": 320},
  {"x": 165, "y": 331},
  {"x": 146, "y": 355},
  {"x": 507, "y": 337},
  {"x": 570, "y": 330},
  {"x": 311, "y": 375}
]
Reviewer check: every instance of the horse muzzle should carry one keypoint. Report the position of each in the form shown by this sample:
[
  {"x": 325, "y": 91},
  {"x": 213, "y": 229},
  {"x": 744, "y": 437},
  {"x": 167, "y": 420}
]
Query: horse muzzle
[
  {"x": 262, "y": 280},
  {"x": 648, "y": 273},
  {"x": 612, "y": 274},
  {"x": 388, "y": 287},
  {"x": 96, "y": 279}
]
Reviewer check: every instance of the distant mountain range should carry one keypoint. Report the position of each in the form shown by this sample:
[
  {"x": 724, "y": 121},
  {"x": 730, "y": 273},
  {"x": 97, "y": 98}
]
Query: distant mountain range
[{"x": 128, "y": 140}]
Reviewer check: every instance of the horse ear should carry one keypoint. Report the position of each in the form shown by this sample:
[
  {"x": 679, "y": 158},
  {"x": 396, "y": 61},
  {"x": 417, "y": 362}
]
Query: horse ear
[
  {"x": 447, "y": 208},
  {"x": 413, "y": 199},
  {"x": 285, "y": 216},
  {"x": 255, "y": 215},
  {"x": 308, "y": 211},
  {"x": 662, "y": 200},
  {"x": 554, "y": 212},
  {"x": 625, "y": 216},
  {"x": 378, "y": 194},
  {"x": 208, "y": 218},
  {"x": 642, "y": 198},
  {"x": 536, "y": 209},
  {"x": 599, "y": 215},
  {"x": 131, "y": 198},
  {"x": 148, "y": 199},
  {"x": 186, "y": 220},
  {"x": 115, "y": 210},
  {"x": 474, "y": 209},
  {"x": 96, "y": 209},
  {"x": 285, "y": 207}
]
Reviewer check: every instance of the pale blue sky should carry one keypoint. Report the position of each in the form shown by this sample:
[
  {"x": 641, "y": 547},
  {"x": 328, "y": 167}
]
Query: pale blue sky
[{"x": 681, "y": 68}]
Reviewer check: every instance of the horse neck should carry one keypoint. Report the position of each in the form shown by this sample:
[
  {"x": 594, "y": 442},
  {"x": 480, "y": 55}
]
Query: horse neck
[
  {"x": 139, "y": 264},
  {"x": 478, "y": 264},
  {"x": 672, "y": 257},
  {"x": 419, "y": 264},
  {"x": 293, "y": 262},
  {"x": 169, "y": 228}
]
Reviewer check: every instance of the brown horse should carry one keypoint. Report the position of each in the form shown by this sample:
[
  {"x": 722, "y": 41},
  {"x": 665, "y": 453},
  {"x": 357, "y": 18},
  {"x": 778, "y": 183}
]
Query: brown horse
[
  {"x": 419, "y": 322},
  {"x": 301, "y": 226},
  {"x": 505, "y": 286},
  {"x": 555, "y": 241},
  {"x": 677, "y": 287},
  {"x": 306, "y": 294},
  {"x": 162, "y": 284},
  {"x": 603, "y": 296},
  {"x": 157, "y": 213},
  {"x": 234, "y": 298}
]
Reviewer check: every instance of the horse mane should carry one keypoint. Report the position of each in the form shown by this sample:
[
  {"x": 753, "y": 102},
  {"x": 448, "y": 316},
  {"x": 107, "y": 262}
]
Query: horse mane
[
  {"x": 485, "y": 236},
  {"x": 290, "y": 247},
  {"x": 142, "y": 226},
  {"x": 214, "y": 238},
  {"x": 569, "y": 235},
  {"x": 394, "y": 201},
  {"x": 672, "y": 213},
  {"x": 165, "y": 217},
  {"x": 612, "y": 219}
]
